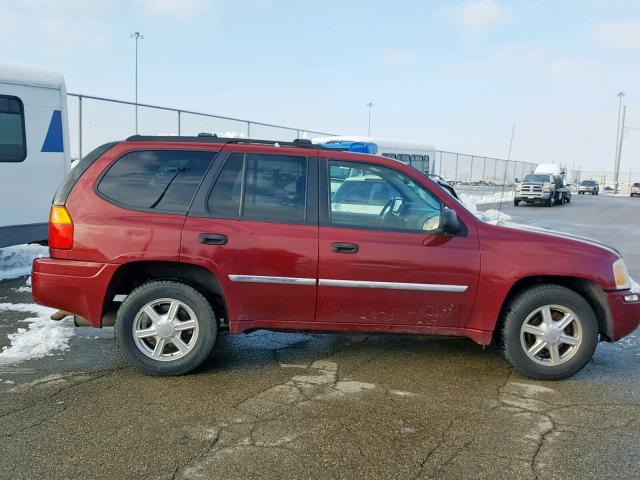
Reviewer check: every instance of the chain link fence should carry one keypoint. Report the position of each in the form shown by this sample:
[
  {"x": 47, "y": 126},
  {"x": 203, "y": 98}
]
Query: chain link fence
[
  {"x": 96, "y": 120},
  {"x": 476, "y": 172},
  {"x": 607, "y": 180}
]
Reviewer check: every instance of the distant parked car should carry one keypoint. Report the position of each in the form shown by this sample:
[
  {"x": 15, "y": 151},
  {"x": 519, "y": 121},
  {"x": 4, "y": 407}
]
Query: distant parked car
[
  {"x": 635, "y": 189},
  {"x": 588, "y": 186},
  {"x": 608, "y": 189}
]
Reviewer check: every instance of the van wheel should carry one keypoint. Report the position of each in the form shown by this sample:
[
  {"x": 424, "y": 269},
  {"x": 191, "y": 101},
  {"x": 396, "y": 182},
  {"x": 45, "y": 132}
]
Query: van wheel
[
  {"x": 549, "y": 332},
  {"x": 166, "y": 328}
]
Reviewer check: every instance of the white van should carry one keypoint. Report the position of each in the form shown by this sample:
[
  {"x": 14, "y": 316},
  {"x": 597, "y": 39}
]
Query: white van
[{"x": 34, "y": 149}]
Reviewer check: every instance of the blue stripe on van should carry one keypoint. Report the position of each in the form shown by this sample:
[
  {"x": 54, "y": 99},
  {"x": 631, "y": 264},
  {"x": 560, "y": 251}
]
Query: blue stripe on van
[{"x": 53, "y": 140}]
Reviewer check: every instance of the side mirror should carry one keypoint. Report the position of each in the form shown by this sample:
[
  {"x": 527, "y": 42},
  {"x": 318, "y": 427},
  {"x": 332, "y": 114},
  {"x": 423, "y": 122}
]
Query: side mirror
[
  {"x": 451, "y": 224},
  {"x": 517, "y": 180}
]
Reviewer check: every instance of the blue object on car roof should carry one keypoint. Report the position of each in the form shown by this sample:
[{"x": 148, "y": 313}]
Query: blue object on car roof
[{"x": 351, "y": 146}]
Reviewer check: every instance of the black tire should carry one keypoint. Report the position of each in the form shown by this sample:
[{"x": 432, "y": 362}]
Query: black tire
[
  {"x": 549, "y": 203},
  {"x": 154, "y": 290},
  {"x": 516, "y": 203},
  {"x": 527, "y": 302}
]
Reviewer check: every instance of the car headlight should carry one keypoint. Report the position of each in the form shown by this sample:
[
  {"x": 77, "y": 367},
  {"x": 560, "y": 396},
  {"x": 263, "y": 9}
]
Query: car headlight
[
  {"x": 621, "y": 275},
  {"x": 546, "y": 187}
]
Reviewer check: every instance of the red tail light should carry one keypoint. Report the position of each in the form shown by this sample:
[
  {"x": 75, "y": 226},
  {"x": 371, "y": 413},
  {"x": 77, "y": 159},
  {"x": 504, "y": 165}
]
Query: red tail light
[{"x": 60, "y": 228}]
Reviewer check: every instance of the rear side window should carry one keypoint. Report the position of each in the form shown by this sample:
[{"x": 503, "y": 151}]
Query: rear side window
[
  {"x": 268, "y": 188},
  {"x": 155, "y": 180},
  {"x": 76, "y": 172},
  {"x": 13, "y": 144}
]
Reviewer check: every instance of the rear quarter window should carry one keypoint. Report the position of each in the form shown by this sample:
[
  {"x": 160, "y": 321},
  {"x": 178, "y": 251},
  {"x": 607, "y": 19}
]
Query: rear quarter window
[{"x": 155, "y": 180}]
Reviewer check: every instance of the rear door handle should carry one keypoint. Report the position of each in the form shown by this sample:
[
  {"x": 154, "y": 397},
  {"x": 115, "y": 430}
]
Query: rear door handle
[
  {"x": 212, "y": 239},
  {"x": 344, "y": 247}
]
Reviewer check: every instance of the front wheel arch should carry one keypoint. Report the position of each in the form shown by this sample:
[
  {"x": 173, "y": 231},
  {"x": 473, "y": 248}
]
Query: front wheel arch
[{"x": 590, "y": 290}]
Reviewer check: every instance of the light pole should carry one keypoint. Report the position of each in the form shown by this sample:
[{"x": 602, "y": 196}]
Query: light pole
[
  {"x": 513, "y": 131},
  {"x": 618, "y": 141},
  {"x": 370, "y": 105},
  {"x": 137, "y": 36}
]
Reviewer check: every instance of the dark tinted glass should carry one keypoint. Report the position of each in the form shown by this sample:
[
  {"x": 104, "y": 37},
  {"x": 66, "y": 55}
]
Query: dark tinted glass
[
  {"x": 275, "y": 189},
  {"x": 224, "y": 199},
  {"x": 76, "y": 172},
  {"x": 163, "y": 181},
  {"x": 13, "y": 147}
]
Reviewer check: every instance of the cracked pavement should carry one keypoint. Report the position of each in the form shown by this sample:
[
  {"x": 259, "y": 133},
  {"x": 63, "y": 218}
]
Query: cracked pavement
[{"x": 273, "y": 405}]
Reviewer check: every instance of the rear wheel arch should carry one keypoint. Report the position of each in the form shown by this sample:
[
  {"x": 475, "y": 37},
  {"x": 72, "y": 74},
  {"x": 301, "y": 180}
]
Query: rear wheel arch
[
  {"x": 588, "y": 289},
  {"x": 131, "y": 275}
]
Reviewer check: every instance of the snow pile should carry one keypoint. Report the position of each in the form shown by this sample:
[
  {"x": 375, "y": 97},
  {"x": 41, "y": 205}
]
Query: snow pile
[
  {"x": 495, "y": 215},
  {"x": 491, "y": 215},
  {"x": 16, "y": 261},
  {"x": 635, "y": 287},
  {"x": 41, "y": 338},
  {"x": 484, "y": 198}
]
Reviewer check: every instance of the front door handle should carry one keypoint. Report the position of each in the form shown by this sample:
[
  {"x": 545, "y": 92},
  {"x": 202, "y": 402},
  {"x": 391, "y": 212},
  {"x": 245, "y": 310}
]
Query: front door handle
[
  {"x": 212, "y": 239},
  {"x": 344, "y": 247}
]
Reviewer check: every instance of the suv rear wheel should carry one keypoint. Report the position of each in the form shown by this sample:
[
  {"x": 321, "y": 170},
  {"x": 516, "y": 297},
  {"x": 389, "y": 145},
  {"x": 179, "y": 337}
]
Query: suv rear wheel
[
  {"x": 549, "y": 332},
  {"x": 166, "y": 328}
]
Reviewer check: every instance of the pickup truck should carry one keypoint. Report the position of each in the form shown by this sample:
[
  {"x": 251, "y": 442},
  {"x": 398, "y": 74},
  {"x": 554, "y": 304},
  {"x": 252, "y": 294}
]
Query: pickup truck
[{"x": 543, "y": 188}]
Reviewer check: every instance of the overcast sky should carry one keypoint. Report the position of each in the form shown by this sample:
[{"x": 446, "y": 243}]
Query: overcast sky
[{"x": 455, "y": 74}]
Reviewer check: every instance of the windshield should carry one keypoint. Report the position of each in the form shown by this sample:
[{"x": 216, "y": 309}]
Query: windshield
[
  {"x": 588, "y": 183},
  {"x": 537, "y": 178}
]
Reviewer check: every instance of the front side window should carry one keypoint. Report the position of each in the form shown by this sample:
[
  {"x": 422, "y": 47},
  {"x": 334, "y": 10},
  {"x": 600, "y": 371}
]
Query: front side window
[
  {"x": 382, "y": 198},
  {"x": 156, "y": 180},
  {"x": 270, "y": 188},
  {"x": 13, "y": 145}
]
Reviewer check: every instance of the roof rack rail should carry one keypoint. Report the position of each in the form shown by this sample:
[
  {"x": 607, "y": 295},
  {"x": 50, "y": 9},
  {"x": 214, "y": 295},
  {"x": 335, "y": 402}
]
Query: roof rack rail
[{"x": 212, "y": 138}]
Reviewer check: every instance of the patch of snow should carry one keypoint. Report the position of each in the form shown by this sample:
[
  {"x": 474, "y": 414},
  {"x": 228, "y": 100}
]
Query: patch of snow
[
  {"x": 39, "y": 310},
  {"x": 16, "y": 261},
  {"x": 26, "y": 287},
  {"x": 635, "y": 287},
  {"x": 493, "y": 214},
  {"x": 484, "y": 198},
  {"x": 43, "y": 337}
]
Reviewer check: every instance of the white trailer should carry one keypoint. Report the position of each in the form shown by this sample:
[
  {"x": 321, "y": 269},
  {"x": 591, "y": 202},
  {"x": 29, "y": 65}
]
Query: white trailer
[{"x": 34, "y": 149}]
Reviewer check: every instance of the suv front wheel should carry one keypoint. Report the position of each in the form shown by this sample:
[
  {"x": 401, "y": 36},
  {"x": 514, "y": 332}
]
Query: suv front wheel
[
  {"x": 549, "y": 332},
  {"x": 166, "y": 328}
]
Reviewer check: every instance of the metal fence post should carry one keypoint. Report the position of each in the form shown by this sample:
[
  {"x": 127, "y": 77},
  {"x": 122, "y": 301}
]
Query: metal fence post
[
  {"x": 456, "y": 174},
  {"x": 471, "y": 171},
  {"x": 248, "y": 129},
  {"x": 80, "y": 126},
  {"x": 484, "y": 168},
  {"x": 179, "y": 122}
]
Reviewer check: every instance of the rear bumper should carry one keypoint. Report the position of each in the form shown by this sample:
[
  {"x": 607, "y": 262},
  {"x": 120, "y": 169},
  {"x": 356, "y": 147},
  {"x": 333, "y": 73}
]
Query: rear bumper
[
  {"x": 73, "y": 286},
  {"x": 625, "y": 316}
]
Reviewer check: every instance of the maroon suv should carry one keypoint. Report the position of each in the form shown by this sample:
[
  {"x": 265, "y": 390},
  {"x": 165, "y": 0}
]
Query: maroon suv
[{"x": 205, "y": 234}]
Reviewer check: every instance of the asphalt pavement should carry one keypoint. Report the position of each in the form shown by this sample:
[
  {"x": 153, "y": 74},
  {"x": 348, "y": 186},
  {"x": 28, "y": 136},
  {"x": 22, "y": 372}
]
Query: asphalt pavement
[{"x": 297, "y": 406}]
